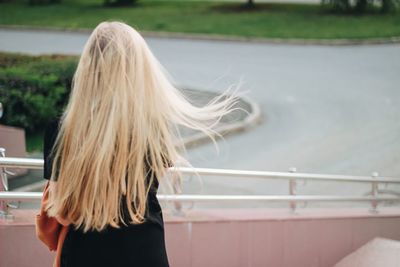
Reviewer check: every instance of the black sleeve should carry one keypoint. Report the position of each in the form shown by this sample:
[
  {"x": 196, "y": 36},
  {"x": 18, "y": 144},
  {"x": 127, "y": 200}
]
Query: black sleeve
[
  {"x": 167, "y": 163},
  {"x": 50, "y": 135}
]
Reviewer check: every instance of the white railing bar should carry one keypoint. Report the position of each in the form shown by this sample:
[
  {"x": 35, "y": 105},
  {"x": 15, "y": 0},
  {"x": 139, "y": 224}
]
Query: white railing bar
[
  {"x": 283, "y": 198},
  {"x": 38, "y": 164},
  {"x": 36, "y": 196},
  {"x": 21, "y": 196},
  {"x": 25, "y": 163},
  {"x": 286, "y": 175}
]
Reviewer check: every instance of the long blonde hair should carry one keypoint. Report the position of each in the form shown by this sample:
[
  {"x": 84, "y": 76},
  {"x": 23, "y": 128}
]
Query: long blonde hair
[{"x": 119, "y": 126}]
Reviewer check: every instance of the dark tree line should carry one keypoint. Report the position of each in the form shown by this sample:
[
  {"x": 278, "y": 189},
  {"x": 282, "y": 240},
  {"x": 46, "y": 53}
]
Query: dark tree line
[
  {"x": 361, "y": 6},
  {"x": 350, "y": 6},
  {"x": 105, "y": 3}
]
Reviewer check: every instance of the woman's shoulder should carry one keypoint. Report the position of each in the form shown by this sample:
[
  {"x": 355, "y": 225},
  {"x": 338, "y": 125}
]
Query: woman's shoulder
[
  {"x": 50, "y": 131},
  {"x": 50, "y": 135},
  {"x": 52, "y": 124}
]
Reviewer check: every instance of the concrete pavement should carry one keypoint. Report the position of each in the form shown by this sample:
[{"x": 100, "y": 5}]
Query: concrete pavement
[{"x": 328, "y": 109}]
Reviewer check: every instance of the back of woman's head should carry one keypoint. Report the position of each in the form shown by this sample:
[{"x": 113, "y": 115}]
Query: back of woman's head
[{"x": 118, "y": 128}]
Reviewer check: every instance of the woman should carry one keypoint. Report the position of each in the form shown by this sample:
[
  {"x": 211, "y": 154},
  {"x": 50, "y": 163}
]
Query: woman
[{"x": 105, "y": 155}]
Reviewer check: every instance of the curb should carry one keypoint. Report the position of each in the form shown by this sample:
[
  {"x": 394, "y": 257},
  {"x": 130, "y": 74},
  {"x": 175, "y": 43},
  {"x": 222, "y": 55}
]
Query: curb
[
  {"x": 289, "y": 41},
  {"x": 252, "y": 119},
  {"x": 225, "y": 38}
]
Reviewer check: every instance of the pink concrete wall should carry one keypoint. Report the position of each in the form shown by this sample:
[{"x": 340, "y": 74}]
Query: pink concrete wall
[
  {"x": 234, "y": 237},
  {"x": 13, "y": 140}
]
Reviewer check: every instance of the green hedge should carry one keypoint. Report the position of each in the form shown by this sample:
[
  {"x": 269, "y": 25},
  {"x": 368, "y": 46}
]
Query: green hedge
[{"x": 33, "y": 89}]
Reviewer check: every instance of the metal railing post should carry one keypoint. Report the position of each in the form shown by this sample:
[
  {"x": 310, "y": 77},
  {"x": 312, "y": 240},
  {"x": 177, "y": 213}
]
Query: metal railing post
[
  {"x": 374, "y": 193},
  {"x": 4, "y": 211},
  {"x": 292, "y": 190},
  {"x": 177, "y": 189}
]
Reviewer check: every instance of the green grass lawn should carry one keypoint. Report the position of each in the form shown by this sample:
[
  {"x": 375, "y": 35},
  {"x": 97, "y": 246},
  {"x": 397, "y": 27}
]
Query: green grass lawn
[
  {"x": 269, "y": 20},
  {"x": 34, "y": 142}
]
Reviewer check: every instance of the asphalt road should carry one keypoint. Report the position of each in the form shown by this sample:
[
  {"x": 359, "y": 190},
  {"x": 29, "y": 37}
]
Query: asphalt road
[{"x": 326, "y": 109}]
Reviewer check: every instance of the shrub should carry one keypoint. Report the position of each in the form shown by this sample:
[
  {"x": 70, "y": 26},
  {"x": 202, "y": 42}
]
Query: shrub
[{"x": 34, "y": 89}]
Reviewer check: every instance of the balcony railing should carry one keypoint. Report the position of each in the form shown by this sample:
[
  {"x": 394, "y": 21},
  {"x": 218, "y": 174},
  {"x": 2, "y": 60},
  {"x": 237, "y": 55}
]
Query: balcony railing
[{"x": 374, "y": 197}]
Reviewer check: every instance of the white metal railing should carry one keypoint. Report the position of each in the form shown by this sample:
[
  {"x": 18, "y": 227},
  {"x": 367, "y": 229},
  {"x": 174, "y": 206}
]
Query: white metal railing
[
  {"x": 292, "y": 176},
  {"x": 36, "y": 196}
]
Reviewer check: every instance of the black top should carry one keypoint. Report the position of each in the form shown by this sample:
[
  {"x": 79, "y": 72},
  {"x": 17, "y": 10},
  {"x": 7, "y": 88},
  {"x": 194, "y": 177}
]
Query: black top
[
  {"x": 132, "y": 245},
  {"x": 50, "y": 135}
]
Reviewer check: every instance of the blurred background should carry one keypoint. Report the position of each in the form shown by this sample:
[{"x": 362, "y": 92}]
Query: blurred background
[{"x": 322, "y": 81}]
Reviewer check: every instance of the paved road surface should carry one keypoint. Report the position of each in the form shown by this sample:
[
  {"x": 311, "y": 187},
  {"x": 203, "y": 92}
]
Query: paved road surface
[{"x": 327, "y": 109}]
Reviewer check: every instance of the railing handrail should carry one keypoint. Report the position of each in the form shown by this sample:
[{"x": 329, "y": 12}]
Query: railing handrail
[
  {"x": 292, "y": 176},
  {"x": 12, "y": 162},
  {"x": 36, "y": 196}
]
